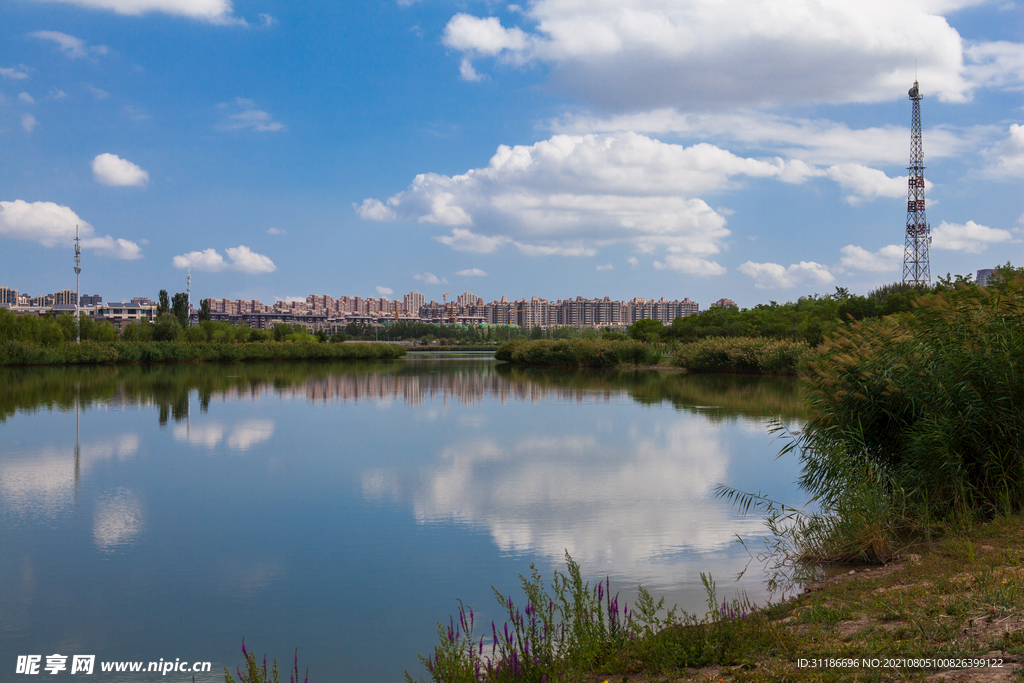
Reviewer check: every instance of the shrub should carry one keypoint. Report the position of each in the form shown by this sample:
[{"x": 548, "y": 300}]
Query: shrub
[
  {"x": 741, "y": 354},
  {"x": 578, "y": 352}
]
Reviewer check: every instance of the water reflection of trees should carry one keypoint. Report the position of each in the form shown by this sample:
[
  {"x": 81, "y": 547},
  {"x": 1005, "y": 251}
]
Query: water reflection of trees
[{"x": 169, "y": 388}]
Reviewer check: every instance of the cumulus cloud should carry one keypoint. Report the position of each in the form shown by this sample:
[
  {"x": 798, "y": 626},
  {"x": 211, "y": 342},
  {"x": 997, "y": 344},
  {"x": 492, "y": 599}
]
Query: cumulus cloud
[
  {"x": 633, "y": 261},
  {"x": 25, "y": 98},
  {"x": 12, "y": 73},
  {"x": 29, "y": 122},
  {"x": 646, "y": 54},
  {"x": 862, "y": 183},
  {"x": 814, "y": 141},
  {"x": 276, "y": 231},
  {"x": 98, "y": 93},
  {"x": 110, "y": 169},
  {"x": 775, "y": 276},
  {"x": 690, "y": 265},
  {"x": 1008, "y": 156},
  {"x": 247, "y": 117},
  {"x": 374, "y": 210},
  {"x": 472, "y": 272},
  {"x": 885, "y": 259},
  {"x": 72, "y": 47},
  {"x": 569, "y": 195},
  {"x": 384, "y": 291},
  {"x": 240, "y": 258},
  {"x": 968, "y": 237},
  {"x": 213, "y": 11},
  {"x": 53, "y": 225},
  {"x": 430, "y": 279}
]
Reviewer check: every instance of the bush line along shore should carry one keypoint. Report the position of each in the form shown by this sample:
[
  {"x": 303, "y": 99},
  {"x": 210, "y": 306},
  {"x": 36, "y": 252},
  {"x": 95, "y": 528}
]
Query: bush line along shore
[{"x": 14, "y": 353}]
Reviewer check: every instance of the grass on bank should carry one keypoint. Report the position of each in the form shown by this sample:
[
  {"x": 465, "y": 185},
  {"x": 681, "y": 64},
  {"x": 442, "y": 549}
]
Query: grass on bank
[
  {"x": 755, "y": 355},
  {"x": 963, "y": 598},
  {"x": 89, "y": 353}
]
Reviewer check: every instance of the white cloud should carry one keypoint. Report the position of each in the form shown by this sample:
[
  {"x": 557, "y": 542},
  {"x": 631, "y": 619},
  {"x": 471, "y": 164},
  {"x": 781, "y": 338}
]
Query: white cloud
[
  {"x": 276, "y": 231},
  {"x": 110, "y": 169},
  {"x": 241, "y": 258},
  {"x": 248, "y": 261},
  {"x": 29, "y": 122},
  {"x": 98, "y": 93},
  {"x": 969, "y": 237},
  {"x": 1008, "y": 156},
  {"x": 248, "y": 117},
  {"x": 12, "y": 73},
  {"x": 73, "y": 47},
  {"x": 813, "y": 141},
  {"x": 863, "y": 183},
  {"x": 25, "y": 98},
  {"x": 690, "y": 265},
  {"x": 268, "y": 20},
  {"x": 384, "y": 291},
  {"x": 644, "y": 54},
  {"x": 569, "y": 195},
  {"x": 430, "y": 279},
  {"x": 374, "y": 210},
  {"x": 633, "y": 261},
  {"x": 213, "y": 11},
  {"x": 997, "y": 64},
  {"x": 472, "y": 272},
  {"x": 606, "y": 266},
  {"x": 773, "y": 275},
  {"x": 885, "y": 259},
  {"x": 53, "y": 225},
  {"x": 56, "y": 94},
  {"x": 467, "y": 72}
]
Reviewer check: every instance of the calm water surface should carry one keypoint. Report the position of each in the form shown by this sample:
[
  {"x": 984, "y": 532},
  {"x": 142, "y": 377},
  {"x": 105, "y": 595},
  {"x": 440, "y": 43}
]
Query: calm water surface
[{"x": 167, "y": 512}]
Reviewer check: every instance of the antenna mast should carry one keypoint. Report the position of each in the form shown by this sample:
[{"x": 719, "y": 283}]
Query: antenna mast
[
  {"x": 916, "y": 268},
  {"x": 188, "y": 290},
  {"x": 78, "y": 298}
]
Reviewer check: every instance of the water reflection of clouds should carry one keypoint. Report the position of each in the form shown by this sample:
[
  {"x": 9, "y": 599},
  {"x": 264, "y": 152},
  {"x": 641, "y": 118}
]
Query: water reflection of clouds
[
  {"x": 44, "y": 482},
  {"x": 629, "y": 507},
  {"x": 241, "y": 436},
  {"x": 118, "y": 519}
]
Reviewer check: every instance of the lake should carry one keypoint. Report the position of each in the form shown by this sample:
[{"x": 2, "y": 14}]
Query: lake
[{"x": 169, "y": 511}]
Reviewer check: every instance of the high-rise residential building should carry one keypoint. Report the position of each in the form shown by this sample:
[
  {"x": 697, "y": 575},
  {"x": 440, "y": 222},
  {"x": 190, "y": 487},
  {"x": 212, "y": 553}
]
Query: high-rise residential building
[
  {"x": 65, "y": 297},
  {"x": 724, "y": 303},
  {"x": 92, "y": 300},
  {"x": 8, "y": 296},
  {"x": 466, "y": 299},
  {"x": 985, "y": 277},
  {"x": 413, "y": 302}
]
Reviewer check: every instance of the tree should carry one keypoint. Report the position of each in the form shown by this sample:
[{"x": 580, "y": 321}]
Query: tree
[
  {"x": 166, "y": 328},
  {"x": 86, "y": 326},
  {"x": 179, "y": 307},
  {"x": 204, "y": 310},
  {"x": 647, "y": 330},
  {"x": 163, "y": 305},
  {"x": 282, "y": 331}
]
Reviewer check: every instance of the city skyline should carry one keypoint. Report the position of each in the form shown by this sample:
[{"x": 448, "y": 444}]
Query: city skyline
[{"x": 615, "y": 149}]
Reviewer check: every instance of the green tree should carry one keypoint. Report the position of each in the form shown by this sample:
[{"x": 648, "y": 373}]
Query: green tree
[
  {"x": 166, "y": 328},
  {"x": 179, "y": 307},
  {"x": 163, "y": 305},
  {"x": 282, "y": 331},
  {"x": 86, "y": 326},
  {"x": 646, "y": 330},
  {"x": 102, "y": 331},
  {"x": 204, "y": 310},
  {"x": 68, "y": 326}
]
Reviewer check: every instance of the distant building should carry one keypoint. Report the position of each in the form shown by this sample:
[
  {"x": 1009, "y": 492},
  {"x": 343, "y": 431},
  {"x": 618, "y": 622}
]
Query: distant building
[
  {"x": 65, "y": 297},
  {"x": 8, "y": 296},
  {"x": 413, "y": 302},
  {"x": 724, "y": 303},
  {"x": 93, "y": 300},
  {"x": 140, "y": 300},
  {"x": 985, "y": 277}
]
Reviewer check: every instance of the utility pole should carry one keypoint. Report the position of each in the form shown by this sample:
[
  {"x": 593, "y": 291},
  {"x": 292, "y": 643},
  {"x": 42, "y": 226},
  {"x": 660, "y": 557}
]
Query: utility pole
[
  {"x": 916, "y": 267},
  {"x": 78, "y": 294}
]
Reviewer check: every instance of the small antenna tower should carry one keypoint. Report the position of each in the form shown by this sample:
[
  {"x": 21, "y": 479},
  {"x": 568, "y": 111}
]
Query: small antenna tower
[
  {"x": 78, "y": 297},
  {"x": 916, "y": 268}
]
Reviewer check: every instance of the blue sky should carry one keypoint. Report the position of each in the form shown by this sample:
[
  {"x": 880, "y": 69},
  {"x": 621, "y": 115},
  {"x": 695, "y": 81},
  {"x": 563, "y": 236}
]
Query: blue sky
[{"x": 551, "y": 148}]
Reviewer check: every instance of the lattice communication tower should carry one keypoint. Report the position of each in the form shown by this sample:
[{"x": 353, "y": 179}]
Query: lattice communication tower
[{"x": 916, "y": 269}]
